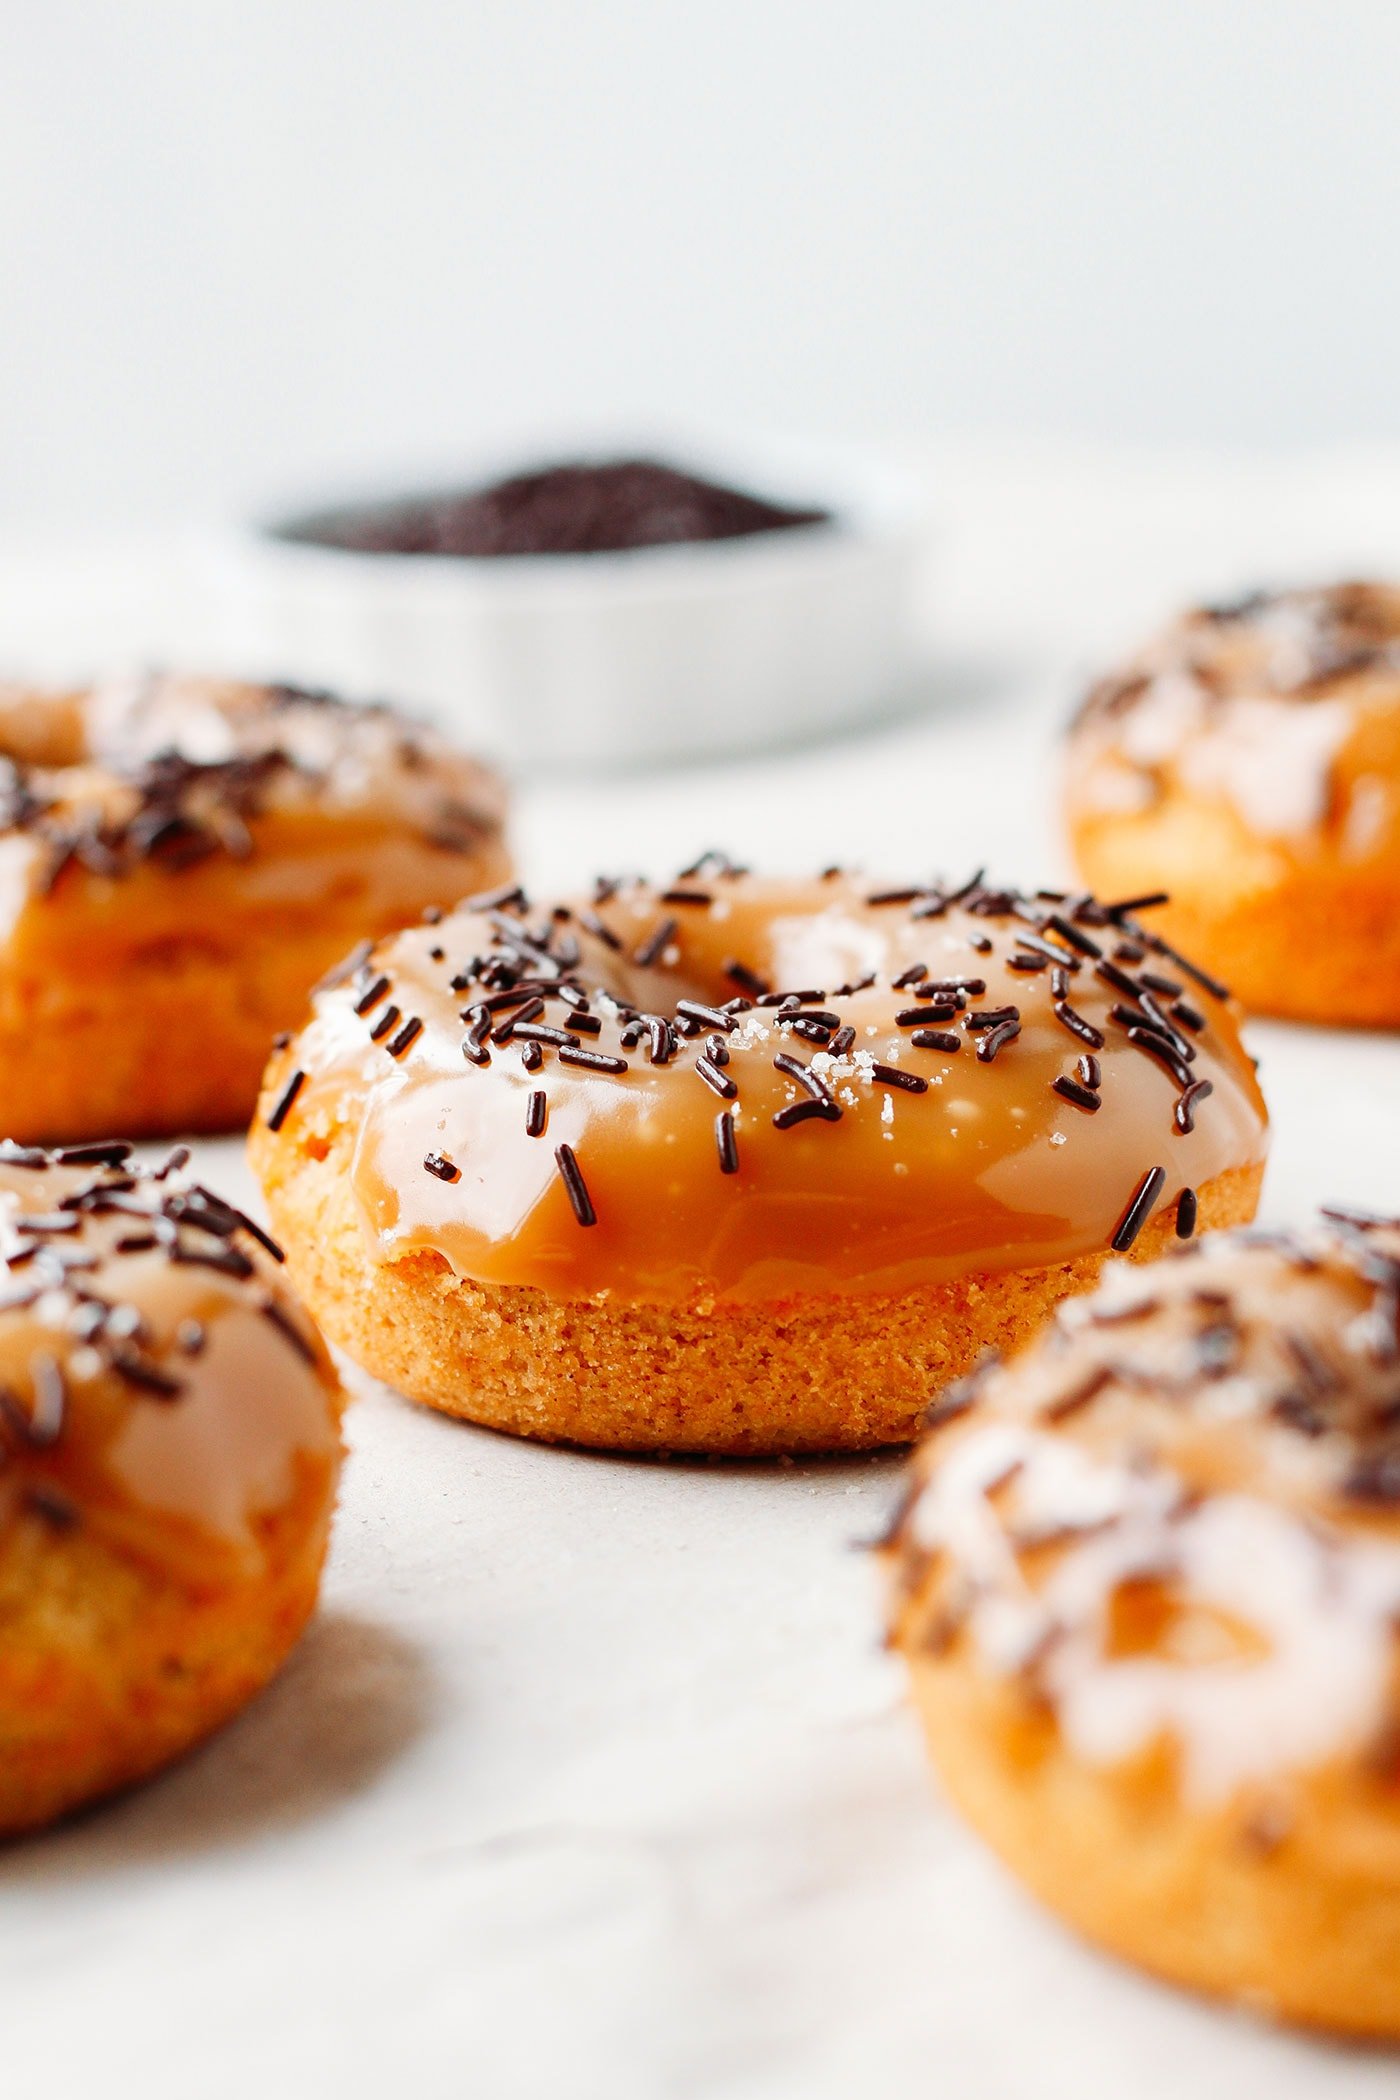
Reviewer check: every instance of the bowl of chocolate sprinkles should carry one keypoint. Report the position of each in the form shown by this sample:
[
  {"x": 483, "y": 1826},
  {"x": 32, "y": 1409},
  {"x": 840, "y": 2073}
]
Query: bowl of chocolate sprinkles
[{"x": 627, "y": 606}]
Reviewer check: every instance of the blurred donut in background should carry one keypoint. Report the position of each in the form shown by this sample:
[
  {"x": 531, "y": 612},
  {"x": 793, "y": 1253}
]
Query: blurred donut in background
[
  {"x": 1247, "y": 761},
  {"x": 1146, "y": 1577},
  {"x": 169, "y": 1456},
  {"x": 180, "y": 859}
]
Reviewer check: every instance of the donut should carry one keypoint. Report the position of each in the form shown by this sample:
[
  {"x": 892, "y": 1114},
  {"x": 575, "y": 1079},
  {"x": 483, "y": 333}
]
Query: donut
[
  {"x": 180, "y": 858},
  {"x": 1248, "y": 762},
  {"x": 169, "y": 1454},
  {"x": 1147, "y": 1580},
  {"x": 741, "y": 1164}
]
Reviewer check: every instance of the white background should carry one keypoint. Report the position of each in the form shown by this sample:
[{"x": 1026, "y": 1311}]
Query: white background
[{"x": 246, "y": 244}]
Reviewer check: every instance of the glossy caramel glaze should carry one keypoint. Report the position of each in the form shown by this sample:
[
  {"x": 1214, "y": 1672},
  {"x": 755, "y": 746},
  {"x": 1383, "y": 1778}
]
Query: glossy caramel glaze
[
  {"x": 1222, "y": 1428},
  {"x": 881, "y": 1163},
  {"x": 1285, "y": 706},
  {"x": 133, "y": 783},
  {"x": 158, "y": 1383}
]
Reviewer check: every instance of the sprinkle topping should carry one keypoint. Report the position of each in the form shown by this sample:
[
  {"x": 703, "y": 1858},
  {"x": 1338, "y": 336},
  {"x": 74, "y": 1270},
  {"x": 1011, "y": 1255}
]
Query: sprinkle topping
[
  {"x": 116, "y": 1279},
  {"x": 883, "y": 1068}
]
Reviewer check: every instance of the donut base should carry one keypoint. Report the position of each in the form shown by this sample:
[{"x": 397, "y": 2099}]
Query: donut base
[
  {"x": 1305, "y": 937},
  {"x": 109, "y": 1671},
  {"x": 1301, "y": 1924},
  {"x": 805, "y": 1374}
]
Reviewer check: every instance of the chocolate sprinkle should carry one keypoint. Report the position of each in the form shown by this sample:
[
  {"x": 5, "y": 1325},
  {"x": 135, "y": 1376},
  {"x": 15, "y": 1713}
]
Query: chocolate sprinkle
[
  {"x": 591, "y": 923},
  {"x": 905, "y": 1082},
  {"x": 726, "y": 1144},
  {"x": 1184, "y": 1114},
  {"x": 827, "y": 1111},
  {"x": 719, "y": 1082},
  {"x": 655, "y": 945},
  {"x": 536, "y": 1112},
  {"x": 593, "y": 1060},
  {"x": 1186, "y": 1212},
  {"x": 509, "y": 893},
  {"x": 107, "y": 1152},
  {"x": 1082, "y": 1096},
  {"x": 988, "y": 1045},
  {"x": 407, "y": 1035},
  {"x": 1131, "y": 905},
  {"x": 747, "y": 980},
  {"x": 1074, "y": 935},
  {"x": 1139, "y": 1209},
  {"x": 282, "y": 1106},
  {"x": 1077, "y": 1025},
  {"x": 574, "y": 1185},
  {"x": 1156, "y": 1045},
  {"x": 811, "y": 1082},
  {"x": 443, "y": 1168},
  {"x": 522, "y": 1022},
  {"x": 372, "y": 995},
  {"x": 923, "y": 1016},
  {"x": 706, "y": 1016},
  {"x": 539, "y": 1032}
]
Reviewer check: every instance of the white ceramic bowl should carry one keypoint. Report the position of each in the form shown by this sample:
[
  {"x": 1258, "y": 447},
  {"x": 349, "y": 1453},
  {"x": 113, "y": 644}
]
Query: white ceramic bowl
[{"x": 653, "y": 654}]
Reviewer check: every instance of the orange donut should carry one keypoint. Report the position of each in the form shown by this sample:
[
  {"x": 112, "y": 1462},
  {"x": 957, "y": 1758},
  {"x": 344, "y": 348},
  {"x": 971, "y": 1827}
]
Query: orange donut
[
  {"x": 1248, "y": 762},
  {"x": 179, "y": 859},
  {"x": 1147, "y": 1579},
  {"x": 169, "y": 1452},
  {"x": 740, "y": 1165}
]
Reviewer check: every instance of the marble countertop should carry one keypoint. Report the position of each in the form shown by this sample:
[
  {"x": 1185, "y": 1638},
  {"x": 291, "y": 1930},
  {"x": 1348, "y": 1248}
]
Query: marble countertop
[{"x": 591, "y": 1777}]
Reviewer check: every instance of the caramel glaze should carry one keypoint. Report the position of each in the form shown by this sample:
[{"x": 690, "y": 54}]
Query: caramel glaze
[
  {"x": 1284, "y": 704},
  {"x": 881, "y": 1189},
  {"x": 158, "y": 1384},
  {"x": 1225, "y": 1426},
  {"x": 281, "y": 798}
]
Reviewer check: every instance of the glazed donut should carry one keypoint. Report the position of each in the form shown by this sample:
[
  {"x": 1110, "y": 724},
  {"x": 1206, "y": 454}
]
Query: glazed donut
[
  {"x": 1147, "y": 1579},
  {"x": 741, "y": 1165},
  {"x": 1248, "y": 761},
  {"x": 169, "y": 1452},
  {"x": 180, "y": 859}
]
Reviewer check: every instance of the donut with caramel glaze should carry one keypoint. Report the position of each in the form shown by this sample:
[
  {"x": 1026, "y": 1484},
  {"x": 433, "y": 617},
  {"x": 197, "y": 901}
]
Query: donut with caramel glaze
[
  {"x": 169, "y": 1454},
  {"x": 741, "y": 1165},
  {"x": 180, "y": 859},
  {"x": 1248, "y": 762},
  {"x": 1147, "y": 1581}
]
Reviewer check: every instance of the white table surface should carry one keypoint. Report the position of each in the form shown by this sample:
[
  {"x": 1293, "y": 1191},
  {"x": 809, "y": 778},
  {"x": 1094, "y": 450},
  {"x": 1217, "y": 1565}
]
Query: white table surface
[{"x": 591, "y": 1778}]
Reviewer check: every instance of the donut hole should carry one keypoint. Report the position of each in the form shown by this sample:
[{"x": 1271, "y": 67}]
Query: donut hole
[{"x": 1151, "y": 1618}]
